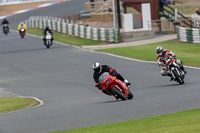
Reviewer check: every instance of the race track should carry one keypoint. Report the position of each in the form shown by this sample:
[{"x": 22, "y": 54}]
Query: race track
[{"x": 62, "y": 78}]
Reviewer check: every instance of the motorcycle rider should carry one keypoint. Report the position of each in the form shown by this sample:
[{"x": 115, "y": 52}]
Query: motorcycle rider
[
  {"x": 21, "y": 25},
  {"x": 5, "y": 21},
  {"x": 99, "y": 69},
  {"x": 46, "y": 30},
  {"x": 162, "y": 56}
]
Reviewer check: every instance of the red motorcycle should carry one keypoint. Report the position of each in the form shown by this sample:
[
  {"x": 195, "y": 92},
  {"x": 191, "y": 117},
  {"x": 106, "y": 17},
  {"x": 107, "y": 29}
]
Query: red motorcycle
[
  {"x": 114, "y": 86},
  {"x": 22, "y": 32}
]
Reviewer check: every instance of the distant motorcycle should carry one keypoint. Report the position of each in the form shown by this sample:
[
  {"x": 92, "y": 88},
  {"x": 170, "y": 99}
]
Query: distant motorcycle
[
  {"x": 48, "y": 40},
  {"x": 22, "y": 32},
  {"x": 174, "y": 69},
  {"x": 114, "y": 86},
  {"x": 5, "y": 29}
]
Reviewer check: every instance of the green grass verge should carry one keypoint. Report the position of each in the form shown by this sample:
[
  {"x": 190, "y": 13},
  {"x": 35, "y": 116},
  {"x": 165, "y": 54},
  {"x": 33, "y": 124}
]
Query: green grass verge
[
  {"x": 181, "y": 122},
  {"x": 64, "y": 38},
  {"x": 8, "y": 104},
  {"x": 187, "y": 52},
  {"x": 188, "y": 9}
]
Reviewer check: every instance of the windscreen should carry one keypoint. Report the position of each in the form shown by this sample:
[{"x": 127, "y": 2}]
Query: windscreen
[{"x": 103, "y": 76}]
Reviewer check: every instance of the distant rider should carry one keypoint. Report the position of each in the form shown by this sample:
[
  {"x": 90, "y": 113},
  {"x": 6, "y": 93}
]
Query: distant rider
[
  {"x": 99, "y": 69},
  {"x": 21, "y": 25},
  {"x": 47, "y": 30},
  {"x": 162, "y": 56},
  {"x": 5, "y": 21}
]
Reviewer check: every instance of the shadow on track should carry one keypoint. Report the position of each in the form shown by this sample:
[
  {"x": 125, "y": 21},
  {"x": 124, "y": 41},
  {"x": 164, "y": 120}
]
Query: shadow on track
[
  {"x": 170, "y": 85},
  {"x": 114, "y": 101}
]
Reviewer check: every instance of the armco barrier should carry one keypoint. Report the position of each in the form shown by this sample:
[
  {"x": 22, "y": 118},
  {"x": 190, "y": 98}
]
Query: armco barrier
[
  {"x": 188, "y": 35},
  {"x": 63, "y": 26}
]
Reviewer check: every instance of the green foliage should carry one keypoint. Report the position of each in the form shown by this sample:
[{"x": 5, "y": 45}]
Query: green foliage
[
  {"x": 132, "y": 10},
  {"x": 64, "y": 38},
  {"x": 187, "y": 9},
  {"x": 8, "y": 104}
]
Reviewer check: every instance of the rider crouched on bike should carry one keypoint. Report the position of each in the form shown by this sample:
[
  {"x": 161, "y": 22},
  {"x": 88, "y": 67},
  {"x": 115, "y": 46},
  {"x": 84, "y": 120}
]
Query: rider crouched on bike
[
  {"x": 46, "y": 30},
  {"x": 162, "y": 56},
  {"x": 99, "y": 69},
  {"x": 5, "y": 21},
  {"x": 21, "y": 25}
]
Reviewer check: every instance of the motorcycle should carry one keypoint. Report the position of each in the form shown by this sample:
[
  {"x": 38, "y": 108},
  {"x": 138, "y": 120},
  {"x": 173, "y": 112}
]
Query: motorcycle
[
  {"x": 22, "y": 32},
  {"x": 174, "y": 69},
  {"x": 48, "y": 40},
  {"x": 114, "y": 86},
  {"x": 5, "y": 29}
]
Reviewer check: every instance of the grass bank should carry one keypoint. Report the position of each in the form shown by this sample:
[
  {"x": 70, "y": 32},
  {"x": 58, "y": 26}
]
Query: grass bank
[
  {"x": 181, "y": 122},
  {"x": 64, "y": 38},
  {"x": 8, "y": 104},
  {"x": 187, "y": 52}
]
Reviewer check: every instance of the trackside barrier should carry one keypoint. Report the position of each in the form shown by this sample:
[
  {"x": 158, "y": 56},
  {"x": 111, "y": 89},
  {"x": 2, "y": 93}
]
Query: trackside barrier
[
  {"x": 188, "y": 35},
  {"x": 63, "y": 26}
]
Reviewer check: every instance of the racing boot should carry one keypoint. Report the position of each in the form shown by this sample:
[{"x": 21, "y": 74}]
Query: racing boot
[
  {"x": 183, "y": 69},
  {"x": 170, "y": 75}
]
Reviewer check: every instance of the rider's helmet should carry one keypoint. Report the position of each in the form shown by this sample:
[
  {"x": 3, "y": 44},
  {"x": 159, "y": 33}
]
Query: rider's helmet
[
  {"x": 97, "y": 67},
  {"x": 22, "y": 23},
  {"x": 159, "y": 50},
  {"x": 47, "y": 27}
]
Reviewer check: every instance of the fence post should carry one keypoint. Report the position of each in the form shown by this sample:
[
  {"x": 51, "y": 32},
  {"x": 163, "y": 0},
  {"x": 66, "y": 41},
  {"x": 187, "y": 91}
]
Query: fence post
[
  {"x": 88, "y": 32},
  {"x": 102, "y": 32},
  {"x": 56, "y": 24}
]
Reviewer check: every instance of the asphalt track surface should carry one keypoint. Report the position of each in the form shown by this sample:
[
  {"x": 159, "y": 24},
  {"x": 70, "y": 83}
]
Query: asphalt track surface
[{"x": 62, "y": 78}]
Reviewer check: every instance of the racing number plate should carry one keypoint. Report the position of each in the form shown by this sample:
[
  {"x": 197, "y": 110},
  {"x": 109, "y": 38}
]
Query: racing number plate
[{"x": 108, "y": 81}]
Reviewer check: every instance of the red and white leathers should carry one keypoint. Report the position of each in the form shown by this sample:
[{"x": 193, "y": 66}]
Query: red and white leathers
[{"x": 163, "y": 57}]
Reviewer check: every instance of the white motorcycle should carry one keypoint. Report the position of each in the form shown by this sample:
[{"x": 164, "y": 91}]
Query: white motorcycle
[
  {"x": 174, "y": 69},
  {"x": 48, "y": 40}
]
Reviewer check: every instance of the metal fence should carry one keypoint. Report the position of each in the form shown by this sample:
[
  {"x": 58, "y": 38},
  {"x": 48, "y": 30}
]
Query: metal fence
[
  {"x": 162, "y": 26},
  {"x": 64, "y": 26}
]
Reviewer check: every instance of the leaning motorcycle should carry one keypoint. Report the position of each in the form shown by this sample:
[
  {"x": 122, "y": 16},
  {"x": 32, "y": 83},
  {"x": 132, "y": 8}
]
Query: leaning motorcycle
[
  {"x": 5, "y": 29},
  {"x": 174, "y": 69},
  {"x": 48, "y": 40},
  {"x": 22, "y": 32},
  {"x": 114, "y": 86}
]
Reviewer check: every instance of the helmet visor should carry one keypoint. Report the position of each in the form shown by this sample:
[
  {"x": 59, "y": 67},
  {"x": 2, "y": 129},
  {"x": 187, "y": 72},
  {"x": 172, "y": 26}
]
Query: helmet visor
[{"x": 159, "y": 52}]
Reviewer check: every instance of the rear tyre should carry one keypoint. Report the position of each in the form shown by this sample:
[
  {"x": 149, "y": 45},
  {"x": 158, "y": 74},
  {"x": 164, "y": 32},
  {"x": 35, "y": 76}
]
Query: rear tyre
[
  {"x": 178, "y": 78},
  {"x": 118, "y": 93}
]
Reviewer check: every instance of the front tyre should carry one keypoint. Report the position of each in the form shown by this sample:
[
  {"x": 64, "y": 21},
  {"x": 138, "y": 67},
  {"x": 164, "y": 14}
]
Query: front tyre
[
  {"x": 130, "y": 95},
  {"x": 118, "y": 93},
  {"x": 178, "y": 78}
]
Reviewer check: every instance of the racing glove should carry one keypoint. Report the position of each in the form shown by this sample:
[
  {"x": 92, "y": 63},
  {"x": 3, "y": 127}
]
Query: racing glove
[{"x": 100, "y": 86}]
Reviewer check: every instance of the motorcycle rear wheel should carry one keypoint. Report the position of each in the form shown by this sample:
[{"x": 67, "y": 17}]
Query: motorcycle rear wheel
[{"x": 118, "y": 93}]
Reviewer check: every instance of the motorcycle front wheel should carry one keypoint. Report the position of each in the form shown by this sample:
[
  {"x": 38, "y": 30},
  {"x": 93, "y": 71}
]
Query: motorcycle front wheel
[
  {"x": 178, "y": 78},
  {"x": 130, "y": 95},
  {"x": 118, "y": 93}
]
